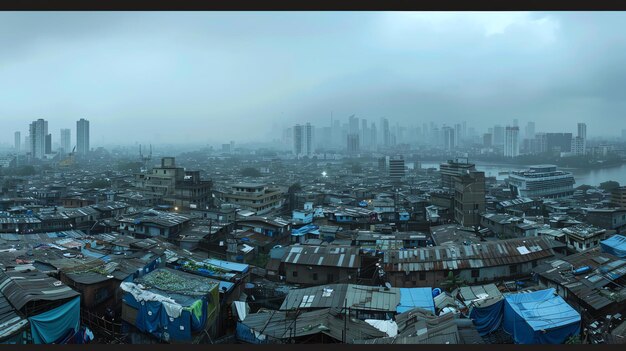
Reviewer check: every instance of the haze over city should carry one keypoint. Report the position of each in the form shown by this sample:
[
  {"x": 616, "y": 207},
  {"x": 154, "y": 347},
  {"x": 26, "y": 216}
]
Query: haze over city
[{"x": 209, "y": 78}]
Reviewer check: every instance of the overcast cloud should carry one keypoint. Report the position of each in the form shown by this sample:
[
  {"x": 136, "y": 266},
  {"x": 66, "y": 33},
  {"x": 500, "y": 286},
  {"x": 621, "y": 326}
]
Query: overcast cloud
[{"x": 214, "y": 77}]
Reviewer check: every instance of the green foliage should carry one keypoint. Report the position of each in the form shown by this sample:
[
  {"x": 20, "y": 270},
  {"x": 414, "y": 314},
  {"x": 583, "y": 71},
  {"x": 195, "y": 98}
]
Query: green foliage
[
  {"x": 250, "y": 172},
  {"x": 452, "y": 282},
  {"x": 610, "y": 185}
]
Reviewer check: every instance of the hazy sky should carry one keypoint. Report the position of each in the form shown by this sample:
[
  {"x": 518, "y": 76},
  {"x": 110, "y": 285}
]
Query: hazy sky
[{"x": 213, "y": 77}]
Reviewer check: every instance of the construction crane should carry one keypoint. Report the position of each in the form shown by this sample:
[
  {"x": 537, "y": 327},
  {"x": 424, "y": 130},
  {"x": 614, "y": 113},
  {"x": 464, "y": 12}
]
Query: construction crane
[{"x": 69, "y": 160}]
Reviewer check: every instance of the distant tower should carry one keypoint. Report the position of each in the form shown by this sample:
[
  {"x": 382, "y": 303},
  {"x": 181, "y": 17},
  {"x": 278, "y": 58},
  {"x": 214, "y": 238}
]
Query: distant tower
[
  {"x": 18, "y": 142},
  {"x": 66, "y": 140},
  {"x": 145, "y": 159},
  {"x": 511, "y": 142},
  {"x": 38, "y": 132},
  {"x": 82, "y": 136}
]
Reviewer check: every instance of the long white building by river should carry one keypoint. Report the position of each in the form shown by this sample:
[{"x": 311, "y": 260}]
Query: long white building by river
[{"x": 541, "y": 181}]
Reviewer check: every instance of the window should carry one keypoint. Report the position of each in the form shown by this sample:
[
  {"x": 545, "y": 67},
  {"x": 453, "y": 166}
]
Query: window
[
  {"x": 294, "y": 273},
  {"x": 444, "y": 273},
  {"x": 422, "y": 276},
  {"x": 314, "y": 276},
  {"x": 535, "y": 264},
  {"x": 513, "y": 269},
  {"x": 475, "y": 273},
  {"x": 330, "y": 278},
  {"x": 595, "y": 243}
]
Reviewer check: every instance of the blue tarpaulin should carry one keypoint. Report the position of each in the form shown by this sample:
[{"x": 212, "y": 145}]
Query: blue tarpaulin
[
  {"x": 152, "y": 318},
  {"x": 487, "y": 317},
  {"x": 50, "y": 326},
  {"x": 540, "y": 317},
  {"x": 615, "y": 245},
  {"x": 411, "y": 298}
]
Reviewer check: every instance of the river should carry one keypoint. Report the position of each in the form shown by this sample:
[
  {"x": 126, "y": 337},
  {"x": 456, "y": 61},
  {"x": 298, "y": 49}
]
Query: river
[{"x": 583, "y": 176}]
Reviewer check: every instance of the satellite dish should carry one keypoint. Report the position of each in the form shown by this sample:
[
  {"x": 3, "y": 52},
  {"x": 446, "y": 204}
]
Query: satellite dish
[{"x": 388, "y": 285}]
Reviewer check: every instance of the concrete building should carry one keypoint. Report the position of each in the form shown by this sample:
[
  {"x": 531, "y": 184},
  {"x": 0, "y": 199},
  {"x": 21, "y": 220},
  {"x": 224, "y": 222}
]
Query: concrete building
[
  {"x": 66, "y": 140},
  {"x": 396, "y": 167},
  {"x": 38, "y": 132},
  {"x": 456, "y": 167},
  {"x": 258, "y": 198},
  {"x": 530, "y": 130},
  {"x": 511, "y": 142},
  {"x": 578, "y": 146},
  {"x": 303, "y": 140},
  {"x": 82, "y": 137},
  {"x": 487, "y": 140},
  {"x": 498, "y": 135},
  {"x": 48, "y": 147},
  {"x": 618, "y": 197},
  {"x": 469, "y": 198},
  {"x": 449, "y": 138},
  {"x": 583, "y": 237},
  {"x": 353, "y": 144},
  {"x": 541, "y": 181},
  {"x": 18, "y": 142},
  {"x": 175, "y": 186},
  {"x": 559, "y": 142}
]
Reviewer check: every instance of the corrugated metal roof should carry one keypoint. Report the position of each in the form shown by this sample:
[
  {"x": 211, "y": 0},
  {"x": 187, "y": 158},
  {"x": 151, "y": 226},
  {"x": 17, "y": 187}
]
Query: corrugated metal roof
[
  {"x": 22, "y": 287},
  {"x": 486, "y": 254},
  {"x": 346, "y": 257}
]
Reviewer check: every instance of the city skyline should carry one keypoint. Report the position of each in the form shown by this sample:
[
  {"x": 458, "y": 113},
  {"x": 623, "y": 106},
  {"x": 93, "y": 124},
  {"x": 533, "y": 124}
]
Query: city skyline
[{"x": 193, "y": 71}]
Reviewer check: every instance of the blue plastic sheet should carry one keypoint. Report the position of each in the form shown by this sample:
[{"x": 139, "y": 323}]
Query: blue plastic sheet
[
  {"x": 540, "y": 317},
  {"x": 615, "y": 245},
  {"x": 487, "y": 319},
  {"x": 411, "y": 298},
  {"x": 52, "y": 325}
]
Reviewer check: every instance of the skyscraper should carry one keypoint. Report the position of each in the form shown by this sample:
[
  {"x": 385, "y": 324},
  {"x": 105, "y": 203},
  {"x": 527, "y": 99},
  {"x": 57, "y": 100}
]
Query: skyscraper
[
  {"x": 582, "y": 136},
  {"x": 530, "y": 130},
  {"x": 302, "y": 140},
  {"x": 448, "y": 138},
  {"x": 18, "y": 142},
  {"x": 48, "y": 144},
  {"x": 498, "y": 135},
  {"x": 385, "y": 132},
  {"x": 82, "y": 136},
  {"x": 511, "y": 142},
  {"x": 66, "y": 141},
  {"x": 353, "y": 144},
  {"x": 38, "y": 131}
]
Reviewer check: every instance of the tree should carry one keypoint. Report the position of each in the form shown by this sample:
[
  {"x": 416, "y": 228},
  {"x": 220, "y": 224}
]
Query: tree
[
  {"x": 250, "y": 172},
  {"x": 452, "y": 282},
  {"x": 609, "y": 185}
]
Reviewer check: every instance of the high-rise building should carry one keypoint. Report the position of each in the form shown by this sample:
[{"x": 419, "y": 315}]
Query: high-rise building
[
  {"x": 511, "y": 142},
  {"x": 37, "y": 136},
  {"x": 373, "y": 137},
  {"x": 396, "y": 167},
  {"x": 353, "y": 144},
  {"x": 82, "y": 136},
  {"x": 582, "y": 135},
  {"x": 457, "y": 134},
  {"x": 66, "y": 140},
  {"x": 469, "y": 198},
  {"x": 530, "y": 130},
  {"x": 487, "y": 140},
  {"x": 559, "y": 142},
  {"x": 18, "y": 142},
  {"x": 498, "y": 135},
  {"x": 48, "y": 148},
  {"x": 578, "y": 146},
  {"x": 302, "y": 140},
  {"x": 449, "y": 138},
  {"x": 385, "y": 132},
  {"x": 454, "y": 168}
]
